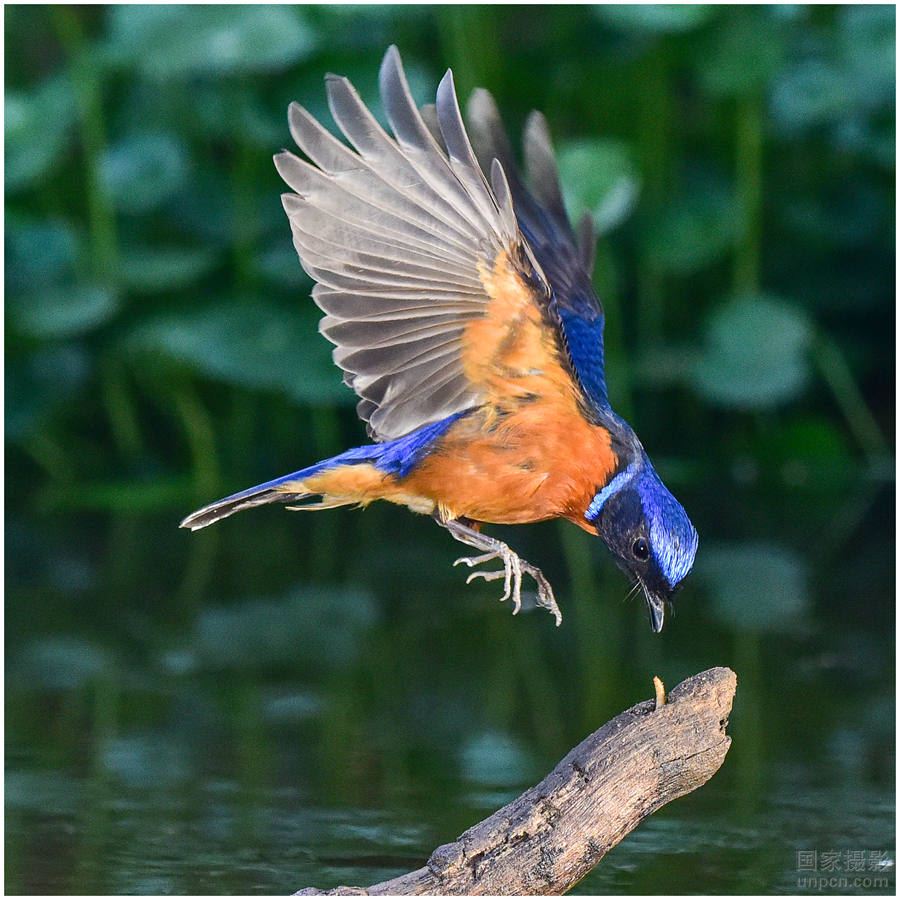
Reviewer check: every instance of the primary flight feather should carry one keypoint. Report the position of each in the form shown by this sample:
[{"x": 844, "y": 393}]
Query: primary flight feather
[{"x": 460, "y": 304}]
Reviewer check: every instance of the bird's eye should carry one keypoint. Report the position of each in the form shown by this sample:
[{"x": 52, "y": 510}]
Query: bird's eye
[{"x": 640, "y": 550}]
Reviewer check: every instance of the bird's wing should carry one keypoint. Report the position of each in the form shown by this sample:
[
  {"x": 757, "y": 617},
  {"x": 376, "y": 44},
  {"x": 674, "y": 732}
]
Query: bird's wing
[
  {"x": 566, "y": 259},
  {"x": 430, "y": 290}
]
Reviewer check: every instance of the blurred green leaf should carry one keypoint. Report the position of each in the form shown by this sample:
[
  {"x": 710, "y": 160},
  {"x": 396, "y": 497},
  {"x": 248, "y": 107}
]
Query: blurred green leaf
[
  {"x": 808, "y": 93},
  {"x": 280, "y": 265},
  {"x": 36, "y": 129},
  {"x": 39, "y": 252},
  {"x": 599, "y": 177},
  {"x": 866, "y": 38},
  {"x": 152, "y": 269},
  {"x": 663, "y": 365},
  {"x": 180, "y": 41},
  {"x": 655, "y": 18},
  {"x": 143, "y": 171},
  {"x": 37, "y": 385},
  {"x": 244, "y": 115},
  {"x": 755, "y": 587},
  {"x": 204, "y": 210},
  {"x": 805, "y": 452},
  {"x": 63, "y": 312},
  {"x": 755, "y": 354},
  {"x": 356, "y": 27},
  {"x": 695, "y": 230},
  {"x": 744, "y": 52},
  {"x": 251, "y": 344},
  {"x": 871, "y": 140}
]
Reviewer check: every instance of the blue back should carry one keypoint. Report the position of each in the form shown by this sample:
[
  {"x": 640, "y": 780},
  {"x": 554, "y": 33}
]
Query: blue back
[{"x": 574, "y": 306}]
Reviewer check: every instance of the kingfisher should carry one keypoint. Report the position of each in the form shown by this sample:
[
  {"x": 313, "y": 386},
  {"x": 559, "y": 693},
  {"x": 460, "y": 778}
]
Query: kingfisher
[{"x": 458, "y": 297}]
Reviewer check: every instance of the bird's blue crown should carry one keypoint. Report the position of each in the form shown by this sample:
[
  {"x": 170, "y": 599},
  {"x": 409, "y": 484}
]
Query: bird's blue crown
[{"x": 673, "y": 539}]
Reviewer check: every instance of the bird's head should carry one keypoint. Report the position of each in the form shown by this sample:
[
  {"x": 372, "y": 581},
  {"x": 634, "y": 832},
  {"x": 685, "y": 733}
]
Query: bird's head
[{"x": 648, "y": 533}]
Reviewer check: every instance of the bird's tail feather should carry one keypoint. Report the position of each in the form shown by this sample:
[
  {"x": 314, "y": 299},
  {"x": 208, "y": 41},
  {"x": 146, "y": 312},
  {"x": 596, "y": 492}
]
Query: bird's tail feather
[
  {"x": 221, "y": 509},
  {"x": 278, "y": 490}
]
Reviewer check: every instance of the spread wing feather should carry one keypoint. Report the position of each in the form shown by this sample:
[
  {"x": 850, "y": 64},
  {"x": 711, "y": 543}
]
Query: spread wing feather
[
  {"x": 411, "y": 246},
  {"x": 396, "y": 231}
]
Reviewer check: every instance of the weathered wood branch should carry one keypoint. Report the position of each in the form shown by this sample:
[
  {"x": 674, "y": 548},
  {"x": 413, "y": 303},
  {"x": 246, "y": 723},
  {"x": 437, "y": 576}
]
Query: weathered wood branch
[{"x": 556, "y": 832}]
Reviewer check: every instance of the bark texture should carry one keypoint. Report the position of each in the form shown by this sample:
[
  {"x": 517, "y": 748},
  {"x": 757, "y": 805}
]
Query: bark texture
[{"x": 551, "y": 836}]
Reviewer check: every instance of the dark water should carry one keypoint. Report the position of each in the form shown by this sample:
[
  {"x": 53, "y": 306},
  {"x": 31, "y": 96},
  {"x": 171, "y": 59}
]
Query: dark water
[{"x": 290, "y": 700}]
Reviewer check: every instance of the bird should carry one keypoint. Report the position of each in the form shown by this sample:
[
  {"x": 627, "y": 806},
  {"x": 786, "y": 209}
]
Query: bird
[{"x": 459, "y": 300}]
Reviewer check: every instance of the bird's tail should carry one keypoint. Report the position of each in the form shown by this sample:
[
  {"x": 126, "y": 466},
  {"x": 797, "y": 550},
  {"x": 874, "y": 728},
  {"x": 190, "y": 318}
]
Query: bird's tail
[{"x": 286, "y": 489}]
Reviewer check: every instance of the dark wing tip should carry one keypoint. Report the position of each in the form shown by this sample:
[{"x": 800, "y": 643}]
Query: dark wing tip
[
  {"x": 587, "y": 242},
  {"x": 540, "y": 165},
  {"x": 482, "y": 99}
]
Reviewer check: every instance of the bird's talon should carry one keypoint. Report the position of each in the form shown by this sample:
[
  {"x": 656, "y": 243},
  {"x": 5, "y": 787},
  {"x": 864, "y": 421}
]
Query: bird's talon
[
  {"x": 471, "y": 561},
  {"x": 513, "y": 569}
]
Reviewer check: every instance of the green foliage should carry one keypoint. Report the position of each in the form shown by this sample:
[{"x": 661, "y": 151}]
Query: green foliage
[
  {"x": 655, "y": 18},
  {"x": 247, "y": 344},
  {"x": 156, "y": 269},
  {"x": 694, "y": 230},
  {"x": 39, "y": 252},
  {"x": 141, "y": 172},
  {"x": 756, "y": 587},
  {"x": 599, "y": 178},
  {"x": 755, "y": 354},
  {"x": 180, "y": 41},
  {"x": 745, "y": 52},
  {"x": 37, "y": 125},
  {"x": 40, "y": 385},
  {"x": 59, "y": 313}
]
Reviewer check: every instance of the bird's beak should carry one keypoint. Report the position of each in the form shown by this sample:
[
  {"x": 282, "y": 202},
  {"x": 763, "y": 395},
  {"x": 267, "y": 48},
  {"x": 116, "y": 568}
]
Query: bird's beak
[{"x": 656, "y": 606}]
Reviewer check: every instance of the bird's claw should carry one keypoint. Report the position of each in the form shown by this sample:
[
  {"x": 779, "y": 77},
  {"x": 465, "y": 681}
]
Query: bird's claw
[
  {"x": 511, "y": 573},
  {"x": 545, "y": 592}
]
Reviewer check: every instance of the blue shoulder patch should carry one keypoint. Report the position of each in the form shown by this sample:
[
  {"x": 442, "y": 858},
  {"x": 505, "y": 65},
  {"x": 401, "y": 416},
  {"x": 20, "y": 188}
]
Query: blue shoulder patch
[{"x": 400, "y": 456}]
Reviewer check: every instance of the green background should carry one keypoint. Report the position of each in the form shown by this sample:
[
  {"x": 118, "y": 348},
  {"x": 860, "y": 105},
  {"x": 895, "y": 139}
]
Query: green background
[{"x": 288, "y": 700}]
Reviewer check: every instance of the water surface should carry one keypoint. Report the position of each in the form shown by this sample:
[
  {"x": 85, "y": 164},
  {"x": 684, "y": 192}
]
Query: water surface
[{"x": 291, "y": 700}]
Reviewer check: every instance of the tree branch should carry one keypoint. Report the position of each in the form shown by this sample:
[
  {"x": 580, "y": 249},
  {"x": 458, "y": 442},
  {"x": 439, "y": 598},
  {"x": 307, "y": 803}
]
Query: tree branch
[{"x": 556, "y": 832}]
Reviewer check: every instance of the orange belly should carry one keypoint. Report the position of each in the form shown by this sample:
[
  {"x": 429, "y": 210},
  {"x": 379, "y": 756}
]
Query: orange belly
[{"x": 535, "y": 463}]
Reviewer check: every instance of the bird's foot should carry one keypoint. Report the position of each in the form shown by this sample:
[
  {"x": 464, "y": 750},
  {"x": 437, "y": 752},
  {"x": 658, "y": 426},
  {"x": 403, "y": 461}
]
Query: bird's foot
[
  {"x": 511, "y": 573},
  {"x": 514, "y": 567},
  {"x": 545, "y": 592}
]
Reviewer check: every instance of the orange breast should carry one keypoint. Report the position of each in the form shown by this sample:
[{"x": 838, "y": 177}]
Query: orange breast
[{"x": 533, "y": 464}]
